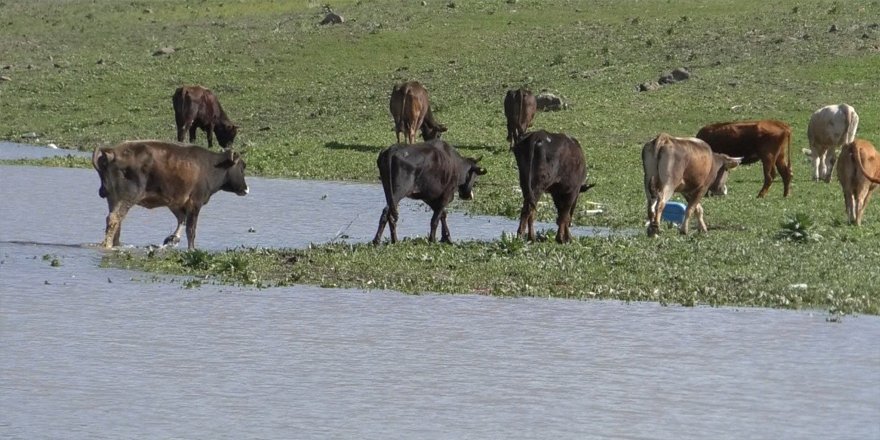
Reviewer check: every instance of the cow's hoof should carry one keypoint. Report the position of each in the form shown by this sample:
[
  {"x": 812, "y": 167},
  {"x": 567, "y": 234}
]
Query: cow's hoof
[
  {"x": 171, "y": 240},
  {"x": 653, "y": 231}
]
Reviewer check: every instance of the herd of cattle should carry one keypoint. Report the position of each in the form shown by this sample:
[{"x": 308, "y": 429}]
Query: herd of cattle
[{"x": 183, "y": 177}]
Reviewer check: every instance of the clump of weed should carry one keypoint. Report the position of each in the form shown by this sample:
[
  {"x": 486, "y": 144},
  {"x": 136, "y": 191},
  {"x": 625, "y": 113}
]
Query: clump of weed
[
  {"x": 798, "y": 229},
  {"x": 196, "y": 259}
]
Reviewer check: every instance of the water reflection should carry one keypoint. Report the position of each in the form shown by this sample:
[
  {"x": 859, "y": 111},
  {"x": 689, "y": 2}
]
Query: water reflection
[{"x": 88, "y": 352}]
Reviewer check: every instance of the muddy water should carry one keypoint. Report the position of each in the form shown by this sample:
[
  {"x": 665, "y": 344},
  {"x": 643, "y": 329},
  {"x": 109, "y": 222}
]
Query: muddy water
[{"x": 87, "y": 352}]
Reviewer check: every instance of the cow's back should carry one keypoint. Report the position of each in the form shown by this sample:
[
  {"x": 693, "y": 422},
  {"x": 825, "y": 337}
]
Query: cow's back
[
  {"x": 746, "y": 139},
  {"x": 684, "y": 163},
  {"x": 832, "y": 125}
]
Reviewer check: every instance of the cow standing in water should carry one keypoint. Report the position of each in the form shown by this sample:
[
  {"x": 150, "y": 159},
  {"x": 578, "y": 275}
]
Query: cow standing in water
[
  {"x": 154, "y": 173},
  {"x": 858, "y": 171},
  {"x": 519, "y": 109},
  {"x": 554, "y": 163},
  {"x": 768, "y": 141},
  {"x": 197, "y": 107},
  {"x": 411, "y": 111},
  {"x": 432, "y": 172},
  {"x": 684, "y": 165},
  {"x": 830, "y": 127}
]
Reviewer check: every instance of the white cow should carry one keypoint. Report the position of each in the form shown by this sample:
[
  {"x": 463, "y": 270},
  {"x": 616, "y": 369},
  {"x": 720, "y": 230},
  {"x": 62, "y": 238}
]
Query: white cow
[{"x": 830, "y": 127}]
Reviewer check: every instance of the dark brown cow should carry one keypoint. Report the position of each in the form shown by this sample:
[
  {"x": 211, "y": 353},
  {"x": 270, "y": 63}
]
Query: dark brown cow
[
  {"x": 554, "y": 163},
  {"x": 767, "y": 140},
  {"x": 154, "y": 173},
  {"x": 411, "y": 111},
  {"x": 684, "y": 165},
  {"x": 429, "y": 171},
  {"x": 197, "y": 107},
  {"x": 858, "y": 171},
  {"x": 519, "y": 109}
]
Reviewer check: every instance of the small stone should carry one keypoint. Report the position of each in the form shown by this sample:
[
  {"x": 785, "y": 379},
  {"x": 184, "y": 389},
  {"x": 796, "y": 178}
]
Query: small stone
[
  {"x": 649, "y": 86},
  {"x": 833, "y": 28},
  {"x": 332, "y": 18},
  {"x": 5, "y": 78},
  {"x": 549, "y": 102},
  {"x": 164, "y": 51}
]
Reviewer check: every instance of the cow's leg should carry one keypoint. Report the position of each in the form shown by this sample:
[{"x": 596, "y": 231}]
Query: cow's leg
[
  {"x": 209, "y": 133},
  {"x": 115, "y": 217},
  {"x": 563, "y": 217},
  {"x": 702, "y": 222},
  {"x": 849, "y": 200},
  {"x": 863, "y": 196},
  {"x": 527, "y": 219},
  {"x": 829, "y": 160},
  {"x": 383, "y": 220},
  {"x": 392, "y": 221},
  {"x": 192, "y": 220},
  {"x": 181, "y": 131},
  {"x": 445, "y": 237},
  {"x": 767, "y": 165},
  {"x": 435, "y": 221},
  {"x": 785, "y": 171},
  {"x": 174, "y": 238},
  {"x": 192, "y": 133},
  {"x": 694, "y": 198}
]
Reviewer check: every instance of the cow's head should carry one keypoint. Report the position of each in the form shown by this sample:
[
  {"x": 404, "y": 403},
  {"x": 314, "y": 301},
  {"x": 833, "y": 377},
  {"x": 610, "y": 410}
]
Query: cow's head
[
  {"x": 431, "y": 131},
  {"x": 721, "y": 167},
  {"x": 234, "y": 180},
  {"x": 226, "y": 133},
  {"x": 468, "y": 174}
]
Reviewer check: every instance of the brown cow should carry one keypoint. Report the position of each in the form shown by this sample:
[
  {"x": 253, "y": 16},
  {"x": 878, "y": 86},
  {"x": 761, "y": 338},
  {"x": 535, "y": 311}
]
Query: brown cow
[
  {"x": 155, "y": 173},
  {"x": 411, "y": 111},
  {"x": 519, "y": 108},
  {"x": 767, "y": 140},
  {"x": 197, "y": 107},
  {"x": 858, "y": 171},
  {"x": 684, "y": 165},
  {"x": 554, "y": 163},
  {"x": 430, "y": 171}
]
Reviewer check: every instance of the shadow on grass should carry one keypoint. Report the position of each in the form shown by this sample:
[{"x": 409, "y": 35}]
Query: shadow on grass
[{"x": 353, "y": 147}]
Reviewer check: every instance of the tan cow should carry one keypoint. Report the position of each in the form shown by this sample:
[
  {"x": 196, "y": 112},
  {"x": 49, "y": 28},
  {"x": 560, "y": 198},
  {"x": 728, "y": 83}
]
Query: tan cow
[
  {"x": 411, "y": 111},
  {"x": 830, "y": 127},
  {"x": 684, "y": 165},
  {"x": 858, "y": 171}
]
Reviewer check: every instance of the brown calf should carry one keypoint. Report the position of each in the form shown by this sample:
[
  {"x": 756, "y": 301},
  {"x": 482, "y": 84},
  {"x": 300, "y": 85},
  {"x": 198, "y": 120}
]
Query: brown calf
[
  {"x": 768, "y": 141},
  {"x": 197, "y": 107},
  {"x": 411, "y": 111}
]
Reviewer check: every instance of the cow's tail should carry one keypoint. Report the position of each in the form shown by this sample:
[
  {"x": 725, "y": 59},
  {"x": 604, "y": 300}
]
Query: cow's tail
[
  {"x": 522, "y": 111},
  {"x": 852, "y": 124},
  {"x": 857, "y": 156},
  {"x": 387, "y": 175},
  {"x": 407, "y": 127},
  {"x": 788, "y": 150}
]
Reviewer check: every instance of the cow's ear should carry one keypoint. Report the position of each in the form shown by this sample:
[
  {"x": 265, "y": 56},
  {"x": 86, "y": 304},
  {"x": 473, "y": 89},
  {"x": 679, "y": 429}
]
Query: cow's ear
[{"x": 442, "y": 128}]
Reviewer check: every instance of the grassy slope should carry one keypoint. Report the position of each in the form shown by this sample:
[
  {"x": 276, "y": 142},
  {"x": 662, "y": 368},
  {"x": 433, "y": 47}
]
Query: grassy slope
[{"x": 322, "y": 93}]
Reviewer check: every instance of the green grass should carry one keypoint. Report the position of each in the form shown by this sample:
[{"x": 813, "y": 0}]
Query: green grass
[{"x": 313, "y": 102}]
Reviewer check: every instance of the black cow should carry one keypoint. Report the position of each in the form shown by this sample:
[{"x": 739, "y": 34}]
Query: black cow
[
  {"x": 519, "y": 109},
  {"x": 411, "y": 110},
  {"x": 197, "y": 107},
  {"x": 154, "y": 173},
  {"x": 554, "y": 163},
  {"x": 429, "y": 171}
]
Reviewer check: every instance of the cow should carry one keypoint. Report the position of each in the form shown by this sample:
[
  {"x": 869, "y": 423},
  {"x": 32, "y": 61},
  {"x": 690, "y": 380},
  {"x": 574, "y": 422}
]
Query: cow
[
  {"x": 684, "y": 165},
  {"x": 155, "y": 173},
  {"x": 411, "y": 111},
  {"x": 830, "y": 127},
  {"x": 198, "y": 107},
  {"x": 858, "y": 171},
  {"x": 553, "y": 163},
  {"x": 519, "y": 109},
  {"x": 429, "y": 171},
  {"x": 766, "y": 140}
]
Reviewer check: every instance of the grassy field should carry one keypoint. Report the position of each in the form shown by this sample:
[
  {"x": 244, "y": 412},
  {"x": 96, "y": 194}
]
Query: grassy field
[{"x": 313, "y": 103}]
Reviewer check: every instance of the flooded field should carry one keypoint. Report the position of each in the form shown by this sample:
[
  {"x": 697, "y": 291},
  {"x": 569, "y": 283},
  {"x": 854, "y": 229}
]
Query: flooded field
[{"x": 88, "y": 352}]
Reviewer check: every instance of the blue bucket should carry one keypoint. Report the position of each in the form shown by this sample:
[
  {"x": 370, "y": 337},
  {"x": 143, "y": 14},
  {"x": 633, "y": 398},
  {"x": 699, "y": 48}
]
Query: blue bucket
[{"x": 674, "y": 212}]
